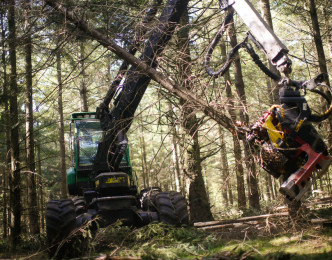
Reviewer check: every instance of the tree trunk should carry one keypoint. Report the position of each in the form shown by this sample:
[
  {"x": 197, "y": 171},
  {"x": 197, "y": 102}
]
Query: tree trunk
[
  {"x": 239, "y": 171},
  {"x": 273, "y": 88},
  {"x": 64, "y": 193},
  {"x": 175, "y": 150},
  {"x": 83, "y": 87},
  {"x": 176, "y": 159},
  {"x": 15, "y": 178},
  {"x": 253, "y": 194},
  {"x": 5, "y": 213},
  {"x": 41, "y": 192},
  {"x": 4, "y": 202},
  {"x": 327, "y": 18},
  {"x": 253, "y": 189},
  {"x": 321, "y": 57},
  {"x": 145, "y": 171},
  {"x": 269, "y": 189},
  {"x": 224, "y": 169},
  {"x": 317, "y": 37},
  {"x": 30, "y": 146},
  {"x": 230, "y": 193},
  {"x": 198, "y": 199}
]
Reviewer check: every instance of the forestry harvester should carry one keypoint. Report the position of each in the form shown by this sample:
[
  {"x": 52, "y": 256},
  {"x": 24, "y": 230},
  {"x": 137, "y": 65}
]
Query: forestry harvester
[{"x": 101, "y": 176}]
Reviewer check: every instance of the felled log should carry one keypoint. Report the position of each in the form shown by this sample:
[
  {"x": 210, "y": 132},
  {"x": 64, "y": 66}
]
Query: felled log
[
  {"x": 319, "y": 221},
  {"x": 239, "y": 220}
]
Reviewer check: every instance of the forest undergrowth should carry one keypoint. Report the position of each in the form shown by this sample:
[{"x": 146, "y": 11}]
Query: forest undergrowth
[{"x": 277, "y": 240}]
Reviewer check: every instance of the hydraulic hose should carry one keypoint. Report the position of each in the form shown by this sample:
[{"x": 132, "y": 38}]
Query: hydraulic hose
[
  {"x": 326, "y": 113},
  {"x": 244, "y": 44},
  {"x": 214, "y": 42},
  {"x": 260, "y": 64}
]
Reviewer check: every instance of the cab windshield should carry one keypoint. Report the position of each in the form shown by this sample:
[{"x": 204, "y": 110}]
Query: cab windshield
[{"x": 88, "y": 135}]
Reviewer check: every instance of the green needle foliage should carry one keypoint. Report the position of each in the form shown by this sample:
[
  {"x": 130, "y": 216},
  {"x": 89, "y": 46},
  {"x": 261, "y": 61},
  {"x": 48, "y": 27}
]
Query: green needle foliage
[
  {"x": 156, "y": 240},
  {"x": 159, "y": 241}
]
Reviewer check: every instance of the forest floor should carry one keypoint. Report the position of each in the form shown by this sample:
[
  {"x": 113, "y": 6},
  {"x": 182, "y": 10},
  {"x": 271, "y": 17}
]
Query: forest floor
[{"x": 270, "y": 236}]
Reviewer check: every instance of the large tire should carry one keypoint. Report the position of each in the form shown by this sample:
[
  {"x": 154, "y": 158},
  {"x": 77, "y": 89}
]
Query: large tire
[
  {"x": 172, "y": 208},
  {"x": 147, "y": 198},
  {"x": 80, "y": 206},
  {"x": 60, "y": 223}
]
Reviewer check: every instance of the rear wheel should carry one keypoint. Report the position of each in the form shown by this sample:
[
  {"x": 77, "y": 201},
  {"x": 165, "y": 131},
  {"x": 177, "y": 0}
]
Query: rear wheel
[
  {"x": 172, "y": 208},
  {"x": 60, "y": 223}
]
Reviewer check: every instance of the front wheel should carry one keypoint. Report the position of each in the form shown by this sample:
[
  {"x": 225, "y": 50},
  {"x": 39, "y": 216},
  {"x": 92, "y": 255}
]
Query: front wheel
[
  {"x": 60, "y": 223},
  {"x": 147, "y": 198},
  {"x": 80, "y": 206},
  {"x": 172, "y": 208}
]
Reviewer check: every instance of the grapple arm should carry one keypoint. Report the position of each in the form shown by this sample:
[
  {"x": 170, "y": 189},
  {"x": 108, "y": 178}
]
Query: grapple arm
[
  {"x": 274, "y": 49},
  {"x": 260, "y": 33}
]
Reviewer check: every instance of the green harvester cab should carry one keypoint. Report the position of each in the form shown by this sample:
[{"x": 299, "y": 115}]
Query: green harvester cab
[{"x": 84, "y": 145}]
